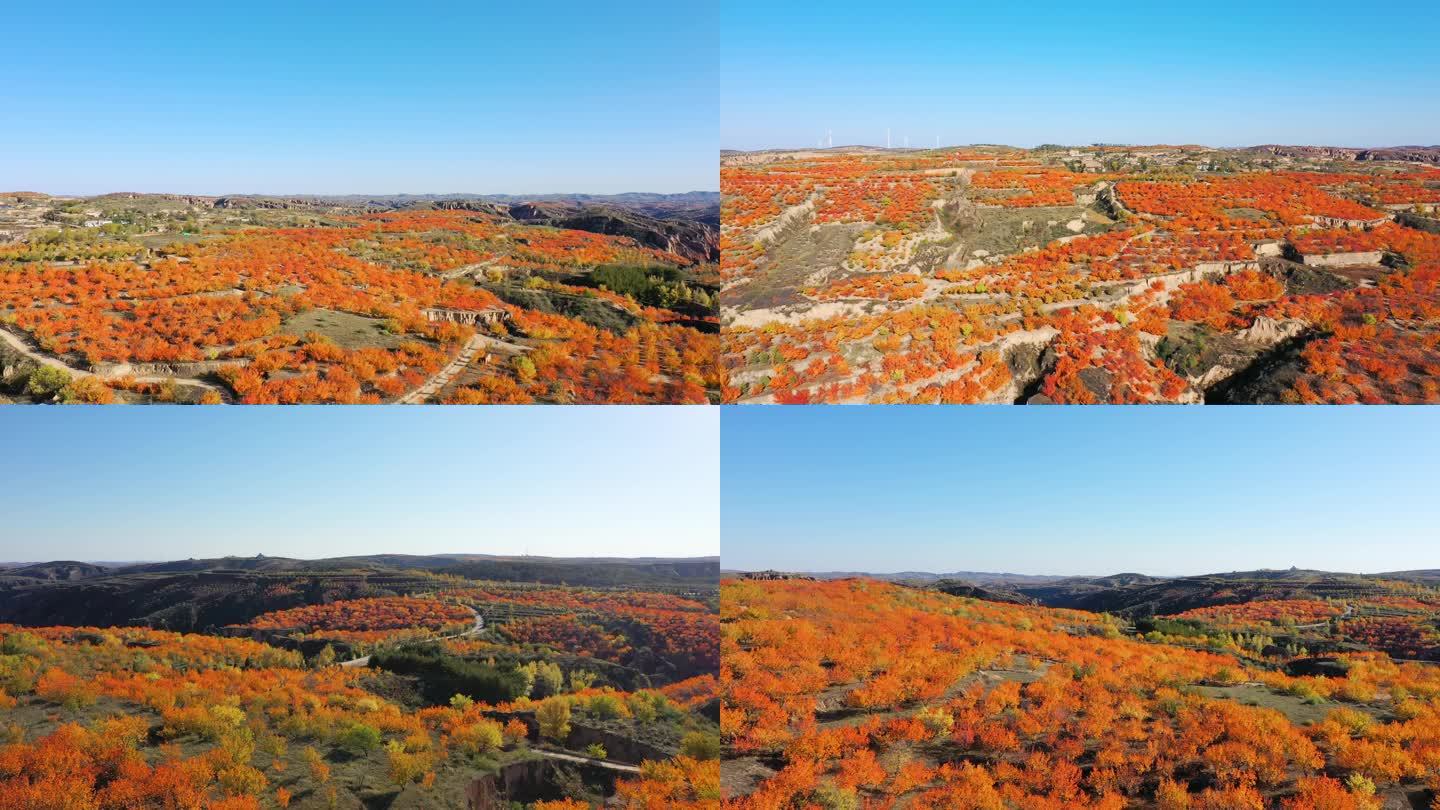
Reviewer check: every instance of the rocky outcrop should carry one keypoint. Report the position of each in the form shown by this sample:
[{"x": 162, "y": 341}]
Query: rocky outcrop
[
  {"x": 1417, "y": 154},
  {"x": 1267, "y": 331},
  {"x": 800, "y": 213},
  {"x": 533, "y": 780},
  {"x": 695, "y": 240},
  {"x": 261, "y": 202},
  {"x": 479, "y": 206}
]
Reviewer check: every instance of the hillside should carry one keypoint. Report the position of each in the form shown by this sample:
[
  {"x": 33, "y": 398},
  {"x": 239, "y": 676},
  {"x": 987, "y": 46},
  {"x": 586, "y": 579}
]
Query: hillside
[{"x": 864, "y": 693}]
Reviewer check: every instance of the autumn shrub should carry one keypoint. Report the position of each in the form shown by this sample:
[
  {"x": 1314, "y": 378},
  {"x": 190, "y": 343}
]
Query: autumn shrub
[
  {"x": 241, "y": 780},
  {"x": 59, "y": 686},
  {"x": 937, "y": 721},
  {"x": 605, "y": 707},
  {"x": 641, "y": 707},
  {"x": 405, "y": 766},
  {"x": 481, "y": 737},
  {"x": 515, "y": 732},
  {"x": 87, "y": 391}
]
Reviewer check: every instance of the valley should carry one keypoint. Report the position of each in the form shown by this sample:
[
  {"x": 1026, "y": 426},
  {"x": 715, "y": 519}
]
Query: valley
[{"x": 387, "y": 681}]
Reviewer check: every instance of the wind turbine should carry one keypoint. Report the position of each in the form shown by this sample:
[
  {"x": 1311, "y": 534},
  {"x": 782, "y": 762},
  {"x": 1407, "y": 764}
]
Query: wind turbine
[{"x": 887, "y": 137}]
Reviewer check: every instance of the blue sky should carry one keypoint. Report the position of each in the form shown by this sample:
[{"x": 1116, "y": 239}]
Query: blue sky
[
  {"x": 1092, "y": 490},
  {"x": 171, "y": 483},
  {"x": 361, "y": 96},
  {"x": 1220, "y": 73}
]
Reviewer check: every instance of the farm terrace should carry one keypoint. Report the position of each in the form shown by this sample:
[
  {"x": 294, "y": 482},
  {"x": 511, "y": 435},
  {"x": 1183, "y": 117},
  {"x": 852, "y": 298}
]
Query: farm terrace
[{"x": 1159, "y": 274}]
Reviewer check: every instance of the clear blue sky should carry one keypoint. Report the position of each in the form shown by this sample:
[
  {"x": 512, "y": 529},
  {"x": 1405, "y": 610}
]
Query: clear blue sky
[
  {"x": 361, "y": 96},
  {"x": 1220, "y": 73},
  {"x": 1082, "y": 490},
  {"x": 172, "y": 483}
]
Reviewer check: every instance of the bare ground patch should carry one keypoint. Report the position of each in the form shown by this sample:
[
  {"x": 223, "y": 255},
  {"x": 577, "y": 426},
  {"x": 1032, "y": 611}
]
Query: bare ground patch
[{"x": 347, "y": 330}]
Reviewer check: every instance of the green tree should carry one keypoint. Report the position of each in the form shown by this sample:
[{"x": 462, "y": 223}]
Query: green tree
[
  {"x": 324, "y": 658},
  {"x": 549, "y": 679},
  {"x": 699, "y": 745},
  {"x": 524, "y": 367},
  {"x": 359, "y": 739}
]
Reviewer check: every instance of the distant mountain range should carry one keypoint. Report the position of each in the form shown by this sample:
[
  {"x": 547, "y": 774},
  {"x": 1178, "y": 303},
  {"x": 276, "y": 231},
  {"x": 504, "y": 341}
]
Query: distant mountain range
[
  {"x": 1137, "y": 595},
  {"x": 73, "y": 569},
  {"x": 686, "y": 224},
  {"x": 1413, "y": 154},
  {"x": 196, "y": 594}
]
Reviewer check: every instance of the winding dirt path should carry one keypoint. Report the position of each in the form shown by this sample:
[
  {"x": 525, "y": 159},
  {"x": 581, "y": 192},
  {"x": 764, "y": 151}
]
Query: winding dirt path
[
  {"x": 475, "y": 629},
  {"x": 467, "y": 269},
  {"x": 25, "y": 345},
  {"x": 444, "y": 376},
  {"x": 602, "y": 763}
]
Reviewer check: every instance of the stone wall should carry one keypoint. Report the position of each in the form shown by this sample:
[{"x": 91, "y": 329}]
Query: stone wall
[
  {"x": 1227, "y": 267},
  {"x": 198, "y": 368},
  {"x": 1337, "y": 222},
  {"x": 617, "y": 748},
  {"x": 468, "y": 316},
  {"x": 1366, "y": 257}
]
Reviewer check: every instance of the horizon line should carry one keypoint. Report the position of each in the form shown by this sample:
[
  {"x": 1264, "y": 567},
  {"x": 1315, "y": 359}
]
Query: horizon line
[
  {"x": 371, "y": 194},
  {"x": 260, "y": 555},
  {"x": 861, "y": 573},
  {"x": 1072, "y": 145}
]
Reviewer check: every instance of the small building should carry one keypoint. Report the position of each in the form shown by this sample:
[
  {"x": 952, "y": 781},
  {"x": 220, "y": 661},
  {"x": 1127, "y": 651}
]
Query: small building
[{"x": 1269, "y": 247}]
